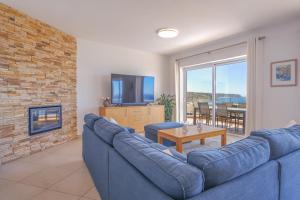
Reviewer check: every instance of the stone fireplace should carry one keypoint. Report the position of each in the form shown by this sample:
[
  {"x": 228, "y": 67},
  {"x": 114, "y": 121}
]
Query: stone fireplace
[
  {"x": 37, "y": 68},
  {"x": 44, "y": 119}
]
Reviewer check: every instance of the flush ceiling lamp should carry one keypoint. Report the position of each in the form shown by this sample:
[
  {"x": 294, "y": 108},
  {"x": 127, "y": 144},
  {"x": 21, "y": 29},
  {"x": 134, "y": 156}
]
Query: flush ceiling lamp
[{"x": 167, "y": 33}]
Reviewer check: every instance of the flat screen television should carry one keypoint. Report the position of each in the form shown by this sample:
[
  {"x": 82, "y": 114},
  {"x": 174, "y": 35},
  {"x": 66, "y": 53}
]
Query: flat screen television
[{"x": 132, "y": 90}]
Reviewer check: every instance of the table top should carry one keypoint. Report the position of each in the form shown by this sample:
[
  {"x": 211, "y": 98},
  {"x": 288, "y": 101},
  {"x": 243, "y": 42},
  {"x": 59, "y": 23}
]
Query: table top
[
  {"x": 237, "y": 109},
  {"x": 230, "y": 109},
  {"x": 191, "y": 130}
]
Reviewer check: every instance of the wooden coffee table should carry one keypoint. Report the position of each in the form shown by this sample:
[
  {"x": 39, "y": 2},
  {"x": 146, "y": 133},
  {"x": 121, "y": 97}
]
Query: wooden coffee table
[{"x": 190, "y": 133}]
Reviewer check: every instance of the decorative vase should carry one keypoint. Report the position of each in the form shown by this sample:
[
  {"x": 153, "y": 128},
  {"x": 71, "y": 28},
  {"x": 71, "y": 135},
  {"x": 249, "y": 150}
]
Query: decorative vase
[{"x": 106, "y": 102}]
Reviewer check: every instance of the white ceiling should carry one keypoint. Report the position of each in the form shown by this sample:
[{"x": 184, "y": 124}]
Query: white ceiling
[{"x": 133, "y": 23}]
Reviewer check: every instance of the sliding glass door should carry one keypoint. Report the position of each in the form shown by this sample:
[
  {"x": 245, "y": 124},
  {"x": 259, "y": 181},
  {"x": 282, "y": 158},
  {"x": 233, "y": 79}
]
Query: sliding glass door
[
  {"x": 215, "y": 95},
  {"x": 199, "y": 93},
  {"x": 231, "y": 88}
]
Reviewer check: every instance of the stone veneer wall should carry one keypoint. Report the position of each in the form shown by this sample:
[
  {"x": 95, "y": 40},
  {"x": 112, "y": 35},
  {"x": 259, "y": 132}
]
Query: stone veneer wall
[{"x": 37, "y": 67}]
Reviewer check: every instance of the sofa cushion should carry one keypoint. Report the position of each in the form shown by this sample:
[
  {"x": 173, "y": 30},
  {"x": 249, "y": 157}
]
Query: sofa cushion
[
  {"x": 169, "y": 151},
  {"x": 152, "y": 129},
  {"x": 141, "y": 138},
  {"x": 174, "y": 177},
  {"x": 107, "y": 130},
  {"x": 224, "y": 164},
  {"x": 130, "y": 130},
  {"x": 90, "y": 120},
  {"x": 282, "y": 141},
  {"x": 162, "y": 148},
  {"x": 112, "y": 120}
]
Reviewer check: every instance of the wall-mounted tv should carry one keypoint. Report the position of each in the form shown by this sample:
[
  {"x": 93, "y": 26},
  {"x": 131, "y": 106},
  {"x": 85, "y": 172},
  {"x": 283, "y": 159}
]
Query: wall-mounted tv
[{"x": 132, "y": 90}]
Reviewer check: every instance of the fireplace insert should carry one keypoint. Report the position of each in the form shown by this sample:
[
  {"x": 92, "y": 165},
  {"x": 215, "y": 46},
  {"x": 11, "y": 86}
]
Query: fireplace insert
[{"x": 44, "y": 119}]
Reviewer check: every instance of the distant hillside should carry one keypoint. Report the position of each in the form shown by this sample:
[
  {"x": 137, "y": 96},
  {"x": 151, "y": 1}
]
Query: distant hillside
[{"x": 207, "y": 97}]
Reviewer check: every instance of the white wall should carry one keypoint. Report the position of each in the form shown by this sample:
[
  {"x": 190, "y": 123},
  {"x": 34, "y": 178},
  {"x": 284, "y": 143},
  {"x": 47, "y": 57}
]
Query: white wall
[
  {"x": 96, "y": 62},
  {"x": 282, "y": 42},
  {"x": 280, "y": 105}
]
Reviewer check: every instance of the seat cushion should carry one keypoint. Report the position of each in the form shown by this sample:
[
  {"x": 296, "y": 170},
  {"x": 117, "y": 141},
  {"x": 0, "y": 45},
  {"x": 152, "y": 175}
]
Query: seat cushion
[
  {"x": 107, "y": 130},
  {"x": 152, "y": 129},
  {"x": 164, "y": 125},
  {"x": 174, "y": 177},
  {"x": 224, "y": 164},
  {"x": 90, "y": 120},
  {"x": 282, "y": 141}
]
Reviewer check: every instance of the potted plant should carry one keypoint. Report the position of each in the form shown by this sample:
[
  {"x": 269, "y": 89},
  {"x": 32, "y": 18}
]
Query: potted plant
[{"x": 169, "y": 102}]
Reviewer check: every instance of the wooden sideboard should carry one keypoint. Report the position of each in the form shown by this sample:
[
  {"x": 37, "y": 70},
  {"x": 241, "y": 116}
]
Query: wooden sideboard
[{"x": 135, "y": 116}]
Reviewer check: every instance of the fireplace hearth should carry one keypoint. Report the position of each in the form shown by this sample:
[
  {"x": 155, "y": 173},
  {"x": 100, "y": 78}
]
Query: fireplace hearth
[{"x": 44, "y": 119}]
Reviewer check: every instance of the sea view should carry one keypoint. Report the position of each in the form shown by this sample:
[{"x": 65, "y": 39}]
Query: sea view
[
  {"x": 230, "y": 83},
  {"x": 195, "y": 97}
]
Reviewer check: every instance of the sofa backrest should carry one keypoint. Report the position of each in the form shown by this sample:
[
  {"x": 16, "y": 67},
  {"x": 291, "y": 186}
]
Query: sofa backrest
[
  {"x": 289, "y": 176},
  {"x": 173, "y": 176},
  {"x": 128, "y": 183},
  {"x": 225, "y": 164},
  {"x": 95, "y": 154},
  {"x": 282, "y": 141},
  {"x": 107, "y": 130},
  {"x": 261, "y": 183},
  {"x": 90, "y": 120},
  {"x": 285, "y": 149}
]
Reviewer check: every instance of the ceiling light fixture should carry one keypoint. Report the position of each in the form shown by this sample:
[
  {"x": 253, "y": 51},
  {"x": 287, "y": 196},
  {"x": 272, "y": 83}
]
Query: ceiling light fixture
[{"x": 167, "y": 33}]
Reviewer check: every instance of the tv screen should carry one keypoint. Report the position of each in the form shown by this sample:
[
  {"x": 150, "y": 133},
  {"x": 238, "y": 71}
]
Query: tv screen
[{"x": 129, "y": 89}]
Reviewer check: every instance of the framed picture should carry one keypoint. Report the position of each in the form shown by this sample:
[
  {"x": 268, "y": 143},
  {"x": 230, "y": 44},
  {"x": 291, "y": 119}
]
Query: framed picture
[{"x": 284, "y": 73}]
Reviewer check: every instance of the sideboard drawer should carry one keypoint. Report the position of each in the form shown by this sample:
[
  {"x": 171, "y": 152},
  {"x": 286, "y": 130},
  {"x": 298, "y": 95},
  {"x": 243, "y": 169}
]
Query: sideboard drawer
[{"x": 135, "y": 116}]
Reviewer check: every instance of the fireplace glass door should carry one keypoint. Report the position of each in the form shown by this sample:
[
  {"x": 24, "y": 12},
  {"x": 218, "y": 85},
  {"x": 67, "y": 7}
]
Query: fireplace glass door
[{"x": 44, "y": 119}]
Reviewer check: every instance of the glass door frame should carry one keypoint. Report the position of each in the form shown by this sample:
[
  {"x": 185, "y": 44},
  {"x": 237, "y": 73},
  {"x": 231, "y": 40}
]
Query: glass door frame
[{"x": 183, "y": 83}]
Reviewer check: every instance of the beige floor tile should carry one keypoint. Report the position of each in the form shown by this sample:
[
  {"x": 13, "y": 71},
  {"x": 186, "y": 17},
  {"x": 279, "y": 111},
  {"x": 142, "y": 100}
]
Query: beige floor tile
[
  {"x": 47, "y": 177},
  {"x": 35, "y": 157},
  {"x": 57, "y": 160},
  {"x": 52, "y": 195},
  {"x": 73, "y": 147},
  {"x": 77, "y": 183},
  {"x": 73, "y": 150},
  {"x": 93, "y": 194},
  {"x": 17, "y": 191},
  {"x": 72, "y": 165},
  {"x": 18, "y": 170},
  {"x": 3, "y": 182}
]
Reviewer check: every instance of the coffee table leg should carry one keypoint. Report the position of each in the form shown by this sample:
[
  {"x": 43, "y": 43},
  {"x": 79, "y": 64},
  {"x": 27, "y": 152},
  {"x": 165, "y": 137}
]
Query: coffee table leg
[
  {"x": 224, "y": 139},
  {"x": 159, "y": 139},
  {"x": 202, "y": 141},
  {"x": 179, "y": 147}
]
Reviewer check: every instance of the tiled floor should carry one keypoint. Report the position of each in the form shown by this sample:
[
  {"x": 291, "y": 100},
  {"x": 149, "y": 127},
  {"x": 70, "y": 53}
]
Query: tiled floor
[
  {"x": 55, "y": 174},
  {"x": 59, "y": 173}
]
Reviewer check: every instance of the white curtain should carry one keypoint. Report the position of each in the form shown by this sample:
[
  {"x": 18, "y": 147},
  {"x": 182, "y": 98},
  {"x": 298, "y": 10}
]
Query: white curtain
[
  {"x": 177, "y": 90},
  {"x": 254, "y": 84}
]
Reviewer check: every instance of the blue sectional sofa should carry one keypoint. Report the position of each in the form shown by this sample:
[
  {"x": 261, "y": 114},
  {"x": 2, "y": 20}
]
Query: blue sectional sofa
[{"x": 127, "y": 166}]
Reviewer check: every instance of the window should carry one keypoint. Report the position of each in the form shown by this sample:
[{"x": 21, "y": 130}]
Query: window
[{"x": 215, "y": 94}]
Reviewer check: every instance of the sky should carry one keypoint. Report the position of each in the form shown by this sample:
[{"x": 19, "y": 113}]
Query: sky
[{"x": 230, "y": 78}]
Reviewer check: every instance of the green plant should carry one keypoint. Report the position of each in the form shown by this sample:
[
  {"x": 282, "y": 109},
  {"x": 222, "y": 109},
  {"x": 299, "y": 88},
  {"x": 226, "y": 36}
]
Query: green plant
[{"x": 169, "y": 102}]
